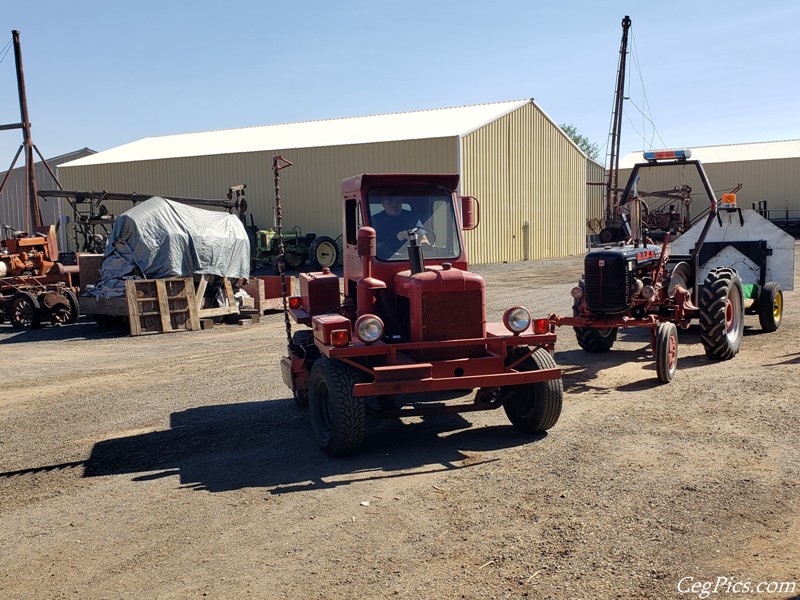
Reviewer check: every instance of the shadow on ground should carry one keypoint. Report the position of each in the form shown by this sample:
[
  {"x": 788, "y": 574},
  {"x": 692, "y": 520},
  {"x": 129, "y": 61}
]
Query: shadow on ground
[{"x": 262, "y": 444}]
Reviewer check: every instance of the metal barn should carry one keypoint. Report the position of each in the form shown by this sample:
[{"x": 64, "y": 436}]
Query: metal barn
[
  {"x": 769, "y": 172},
  {"x": 528, "y": 176},
  {"x": 14, "y": 210}
]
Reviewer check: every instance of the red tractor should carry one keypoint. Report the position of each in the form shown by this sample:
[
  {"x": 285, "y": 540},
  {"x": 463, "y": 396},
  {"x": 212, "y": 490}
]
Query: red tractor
[
  {"x": 637, "y": 283},
  {"x": 404, "y": 332}
]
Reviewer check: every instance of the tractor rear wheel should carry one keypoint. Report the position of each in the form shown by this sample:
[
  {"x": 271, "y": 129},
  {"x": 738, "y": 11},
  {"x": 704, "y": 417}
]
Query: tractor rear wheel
[
  {"x": 533, "y": 407},
  {"x": 722, "y": 313},
  {"x": 770, "y": 306},
  {"x": 26, "y": 313},
  {"x": 595, "y": 340},
  {"x": 323, "y": 253},
  {"x": 338, "y": 418},
  {"x": 666, "y": 351}
]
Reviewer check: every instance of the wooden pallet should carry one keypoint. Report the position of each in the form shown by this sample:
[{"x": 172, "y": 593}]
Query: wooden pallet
[
  {"x": 161, "y": 306},
  {"x": 216, "y": 311}
]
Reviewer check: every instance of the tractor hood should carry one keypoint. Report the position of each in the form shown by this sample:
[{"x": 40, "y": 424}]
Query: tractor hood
[{"x": 436, "y": 278}]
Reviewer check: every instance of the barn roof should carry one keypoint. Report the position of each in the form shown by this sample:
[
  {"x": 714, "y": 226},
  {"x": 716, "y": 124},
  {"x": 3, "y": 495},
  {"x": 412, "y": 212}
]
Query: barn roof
[
  {"x": 423, "y": 124},
  {"x": 731, "y": 153}
]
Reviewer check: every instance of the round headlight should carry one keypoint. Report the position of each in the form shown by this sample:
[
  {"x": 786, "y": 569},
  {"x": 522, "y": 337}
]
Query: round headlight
[
  {"x": 576, "y": 293},
  {"x": 648, "y": 292},
  {"x": 369, "y": 329},
  {"x": 517, "y": 319}
]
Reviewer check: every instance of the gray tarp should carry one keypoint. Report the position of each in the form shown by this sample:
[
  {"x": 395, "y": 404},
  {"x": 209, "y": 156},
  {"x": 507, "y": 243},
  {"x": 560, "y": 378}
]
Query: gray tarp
[{"x": 161, "y": 238}]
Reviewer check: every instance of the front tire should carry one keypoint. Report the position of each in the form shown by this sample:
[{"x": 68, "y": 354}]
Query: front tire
[
  {"x": 534, "y": 407},
  {"x": 338, "y": 418},
  {"x": 594, "y": 340},
  {"x": 666, "y": 351},
  {"x": 770, "y": 306},
  {"x": 722, "y": 313}
]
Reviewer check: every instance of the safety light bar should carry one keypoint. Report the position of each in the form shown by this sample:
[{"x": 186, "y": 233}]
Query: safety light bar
[{"x": 654, "y": 155}]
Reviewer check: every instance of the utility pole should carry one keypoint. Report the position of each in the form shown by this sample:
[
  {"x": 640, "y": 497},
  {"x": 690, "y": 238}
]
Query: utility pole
[{"x": 31, "y": 191}]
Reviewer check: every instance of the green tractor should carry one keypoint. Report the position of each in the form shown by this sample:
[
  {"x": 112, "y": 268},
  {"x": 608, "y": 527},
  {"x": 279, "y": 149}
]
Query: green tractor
[{"x": 317, "y": 251}]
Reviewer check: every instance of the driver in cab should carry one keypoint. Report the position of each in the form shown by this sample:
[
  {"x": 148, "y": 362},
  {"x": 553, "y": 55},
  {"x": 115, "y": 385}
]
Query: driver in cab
[{"x": 392, "y": 224}]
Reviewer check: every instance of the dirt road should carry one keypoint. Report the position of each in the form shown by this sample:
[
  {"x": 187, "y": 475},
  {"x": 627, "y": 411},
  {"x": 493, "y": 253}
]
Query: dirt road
[{"x": 178, "y": 466}]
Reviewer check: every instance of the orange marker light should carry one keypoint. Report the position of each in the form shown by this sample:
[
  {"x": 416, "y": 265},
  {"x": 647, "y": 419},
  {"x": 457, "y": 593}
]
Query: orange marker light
[
  {"x": 340, "y": 337},
  {"x": 294, "y": 302}
]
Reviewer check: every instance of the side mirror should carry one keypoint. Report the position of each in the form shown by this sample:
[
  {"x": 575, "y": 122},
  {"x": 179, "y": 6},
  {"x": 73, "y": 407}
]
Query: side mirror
[
  {"x": 366, "y": 242},
  {"x": 470, "y": 212}
]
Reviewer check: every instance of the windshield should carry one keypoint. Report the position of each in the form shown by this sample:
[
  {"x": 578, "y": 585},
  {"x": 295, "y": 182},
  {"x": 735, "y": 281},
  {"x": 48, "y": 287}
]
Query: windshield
[{"x": 429, "y": 210}]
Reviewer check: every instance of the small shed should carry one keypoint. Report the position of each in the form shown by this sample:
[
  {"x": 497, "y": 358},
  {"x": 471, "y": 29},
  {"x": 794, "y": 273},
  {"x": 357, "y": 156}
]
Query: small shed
[{"x": 529, "y": 177}]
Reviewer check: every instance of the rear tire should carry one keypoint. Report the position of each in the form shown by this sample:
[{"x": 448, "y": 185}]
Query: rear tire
[
  {"x": 338, "y": 418},
  {"x": 722, "y": 313},
  {"x": 595, "y": 340},
  {"x": 323, "y": 253},
  {"x": 303, "y": 345},
  {"x": 534, "y": 407},
  {"x": 74, "y": 310},
  {"x": 666, "y": 351},
  {"x": 770, "y": 306},
  {"x": 26, "y": 313}
]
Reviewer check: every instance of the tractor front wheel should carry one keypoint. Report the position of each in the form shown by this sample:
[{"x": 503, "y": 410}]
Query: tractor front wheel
[
  {"x": 533, "y": 407},
  {"x": 666, "y": 351},
  {"x": 26, "y": 313},
  {"x": 338, "y": 418},
  {"x": 770, "y": 306},
  {"x": 722, "y": 313}
]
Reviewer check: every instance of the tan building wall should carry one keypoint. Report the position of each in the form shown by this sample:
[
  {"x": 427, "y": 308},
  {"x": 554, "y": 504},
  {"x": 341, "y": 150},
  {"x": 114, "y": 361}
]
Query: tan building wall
[
  {"x": 310, "y": 193},
  {"x": 529, "y": 177},
  {"x": 776, "y": 181},
  {"x": 595, "y": 195},
  {"x": 530, "y": 181}
]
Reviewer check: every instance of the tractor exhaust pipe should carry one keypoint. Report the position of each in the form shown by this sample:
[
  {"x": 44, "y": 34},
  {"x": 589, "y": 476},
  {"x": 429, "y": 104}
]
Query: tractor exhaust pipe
[{"x": 415, "y": 253}]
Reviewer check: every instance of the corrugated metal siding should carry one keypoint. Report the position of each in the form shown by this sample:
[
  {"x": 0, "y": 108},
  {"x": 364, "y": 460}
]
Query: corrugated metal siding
[
  {"x": 14, "y": 210},
  {"x": 309, "y": 189},
  {"x": 595, "y": 194},
  {"x": 523, "y": 169},
  {"x": 775, "y": 181}
]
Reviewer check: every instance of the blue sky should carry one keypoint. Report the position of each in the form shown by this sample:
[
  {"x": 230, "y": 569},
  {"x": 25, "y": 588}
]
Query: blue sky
[{"x": 104, "y": 73}]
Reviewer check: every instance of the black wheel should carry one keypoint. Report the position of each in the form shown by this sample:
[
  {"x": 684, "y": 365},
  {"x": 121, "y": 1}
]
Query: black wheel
[
  {"x": 596, "y": 340},
  {"x": 722, "y": 313},
  {"x": 608, "y": 235},
  {"x": 304, "y": 347},
  {"x": 533, "y": 407},
  {"x": 338, "y": 418},
  {"x": 292, "y": 260},
  {"x": 323, "y": 253},
  {"x": 74, "y": 309},
  {"x": 770, "y": 306},
  {"x": 25, "y": 311},
  {"x": 666, "y": 351}
]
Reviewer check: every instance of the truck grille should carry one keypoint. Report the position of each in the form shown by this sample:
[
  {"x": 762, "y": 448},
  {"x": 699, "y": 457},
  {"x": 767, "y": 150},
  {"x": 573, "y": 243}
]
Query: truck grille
[
  {"x": 452, "y": 316},
  {"x": 608, "y": 286}
]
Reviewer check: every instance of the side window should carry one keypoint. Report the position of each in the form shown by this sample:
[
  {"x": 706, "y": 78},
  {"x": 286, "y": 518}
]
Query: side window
[{"x": 352, "y": 221}]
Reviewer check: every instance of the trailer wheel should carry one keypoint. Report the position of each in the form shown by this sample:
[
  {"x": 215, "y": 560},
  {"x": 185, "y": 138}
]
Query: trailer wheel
[
  {"x": 533, "y": 407},
  {"x": 722, "y": 313},
  {"x": 666, "y": 351},
  {"x": 770, "y": 306},
  {"x": 25, "y": 311},
  {"x": 323, "y": 253},
  {"x": 338, "y": 418},
  {"x": 303, "y": 346},
  {"x": 74, "y": 308}
]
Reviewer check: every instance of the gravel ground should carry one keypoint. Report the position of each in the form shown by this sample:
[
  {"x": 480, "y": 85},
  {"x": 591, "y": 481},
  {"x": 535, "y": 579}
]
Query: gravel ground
[{"x": 178, "y": 466}]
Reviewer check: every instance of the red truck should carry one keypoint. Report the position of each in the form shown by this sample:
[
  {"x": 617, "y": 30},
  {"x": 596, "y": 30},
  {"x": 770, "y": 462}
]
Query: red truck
[{"x": 404, "y": 331}]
